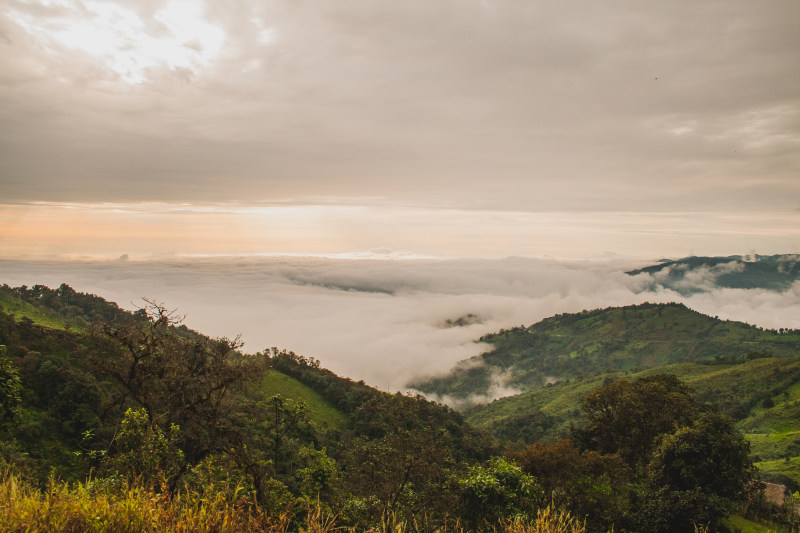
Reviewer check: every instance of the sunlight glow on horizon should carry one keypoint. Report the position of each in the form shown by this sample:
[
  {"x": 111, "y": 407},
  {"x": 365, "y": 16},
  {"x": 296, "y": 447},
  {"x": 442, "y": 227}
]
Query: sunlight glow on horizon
[{"x": 141, "y": 231}]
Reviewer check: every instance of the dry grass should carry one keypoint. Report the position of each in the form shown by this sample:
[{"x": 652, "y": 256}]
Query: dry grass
[
  {"x": 88, "y": 507},
  {"x": 548, "y": 520},
  {"x": 81, "y": 508}
]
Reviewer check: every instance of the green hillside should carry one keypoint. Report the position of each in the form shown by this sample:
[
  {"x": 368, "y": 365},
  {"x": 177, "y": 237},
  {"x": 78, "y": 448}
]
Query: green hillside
[
  {"x": 91, "y": 391},
  {"x": 320, "y": 412},
  {"x": 762, "y": 395},
  {"x": 101, "y": 405},
  {"x": 14, "y": 305},
  {"x": 588, "y": 343},
  {"x": 696, "y": 274}
]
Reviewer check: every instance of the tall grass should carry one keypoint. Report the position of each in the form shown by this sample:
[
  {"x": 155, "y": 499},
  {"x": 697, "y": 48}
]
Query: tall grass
[
  {"x": 548, "y": 520},
  {"x": 95, "y": 507},
  {"x": 85, "y": 508}
]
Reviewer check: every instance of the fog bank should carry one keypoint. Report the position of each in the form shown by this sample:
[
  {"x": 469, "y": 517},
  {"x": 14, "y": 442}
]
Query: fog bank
[{"x": 384, "y": 321}]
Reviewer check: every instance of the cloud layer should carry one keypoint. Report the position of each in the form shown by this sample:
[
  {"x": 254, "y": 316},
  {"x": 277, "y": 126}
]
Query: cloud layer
[
  {"x": 499, "y": 104},
  {"x": 384, "y": 321}
]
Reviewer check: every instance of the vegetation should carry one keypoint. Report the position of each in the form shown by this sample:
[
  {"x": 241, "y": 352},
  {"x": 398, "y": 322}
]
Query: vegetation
[
  {"x": 633, "y": 338},
  {"x": 736, "y": 389},
  {"x": 771, "y": 272},
  {"x": 120, "y": 421},
  {"x": 82, "y": 507}
]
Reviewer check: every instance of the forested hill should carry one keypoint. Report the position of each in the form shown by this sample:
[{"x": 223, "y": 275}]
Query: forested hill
[
  {"x": 697, "y": 274},
  {"x": 569, "y": 346},
  {"x": 91, "y": 389},
  {"x": 118, "y": 421}
]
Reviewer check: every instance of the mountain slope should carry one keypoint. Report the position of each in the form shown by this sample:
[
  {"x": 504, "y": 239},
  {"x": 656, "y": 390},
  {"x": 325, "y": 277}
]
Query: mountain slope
[
  {"x": 53, "y": 339},
  {"x": 696, "y": 274},
  {"x": 570, "y": 346},
  {"x": 762, "y": 394}
]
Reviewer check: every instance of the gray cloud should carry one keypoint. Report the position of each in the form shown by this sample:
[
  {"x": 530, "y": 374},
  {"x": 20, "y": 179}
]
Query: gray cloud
[
  {"x": 392, "y": 333},
  {"x": 501, "y": 104}
]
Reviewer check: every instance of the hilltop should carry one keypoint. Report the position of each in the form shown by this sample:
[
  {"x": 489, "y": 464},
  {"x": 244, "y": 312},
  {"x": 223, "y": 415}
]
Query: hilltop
[
  {"x": 578, "y": 345},
  {"x": 697, "y": 274}
]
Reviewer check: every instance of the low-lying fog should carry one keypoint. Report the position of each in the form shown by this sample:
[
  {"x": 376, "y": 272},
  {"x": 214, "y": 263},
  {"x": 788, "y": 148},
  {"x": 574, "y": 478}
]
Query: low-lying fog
[{"x": 386, "y": 321}]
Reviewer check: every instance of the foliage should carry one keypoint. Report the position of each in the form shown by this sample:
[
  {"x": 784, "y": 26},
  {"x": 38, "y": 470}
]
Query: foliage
[
  {"x": 320, "y": 475},
  {"x": 97, "y": 506},
  {"x": 320, "y": 413},
  {"x": 771, "y": 272},
  {"x": 577, "y": 345},
  {"x": 494, "y": 491},
  {"x": 178, "y": 381},
  {"x": 737, "y": 389},
  {"x": 399, "y": 456},
  {"x": 625, "y": 417},
  {"x": 61, "y": 308},
  {"x": 711, "y": 456},
  {"x": 145, "y": 453},
  {"x": 92, "y": 507},
  {"x": 548, "y": 520},
  {"x": 10, "y": 389},
  {"x": 590, "y": 484},
  {"x": 159, "y": 411},
  {"x": 698, "y": 475}
]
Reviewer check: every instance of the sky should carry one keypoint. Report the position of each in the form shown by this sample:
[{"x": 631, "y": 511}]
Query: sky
[
  {"x": 151, "y": 129},
  {"x": 341, "y": 177}
]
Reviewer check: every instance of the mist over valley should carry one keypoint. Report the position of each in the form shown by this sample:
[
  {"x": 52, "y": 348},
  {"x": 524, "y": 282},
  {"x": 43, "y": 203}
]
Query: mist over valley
[{"x": 391, "y": 321}]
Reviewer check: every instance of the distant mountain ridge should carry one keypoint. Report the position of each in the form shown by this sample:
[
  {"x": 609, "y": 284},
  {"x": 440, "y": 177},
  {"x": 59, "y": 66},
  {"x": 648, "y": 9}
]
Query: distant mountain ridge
[
  {"x": 697, "y": 274},
  {"x": 588, "y": 343}
]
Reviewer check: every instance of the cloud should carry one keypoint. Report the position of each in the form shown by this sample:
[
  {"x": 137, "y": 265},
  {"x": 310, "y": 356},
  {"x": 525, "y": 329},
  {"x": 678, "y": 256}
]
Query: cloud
[
  {"x": 392, "y": 333},
  {"x": 498, "y": 388},
  {"x": 500, "y": 104},
  {"x": 702, "y": 278}
]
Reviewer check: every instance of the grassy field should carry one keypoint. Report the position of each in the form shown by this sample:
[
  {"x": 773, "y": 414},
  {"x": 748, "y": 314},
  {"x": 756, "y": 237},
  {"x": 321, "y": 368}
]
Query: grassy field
[
  {"x": 319, "y": 412},
  {"x": 38, "y": 315},
  {"x": 788, "y": 469},
  {"x": 743, "y": 525}
]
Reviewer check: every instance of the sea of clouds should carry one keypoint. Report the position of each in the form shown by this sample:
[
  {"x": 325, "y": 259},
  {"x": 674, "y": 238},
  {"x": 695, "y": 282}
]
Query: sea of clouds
[{"x": 385, "y": 319}]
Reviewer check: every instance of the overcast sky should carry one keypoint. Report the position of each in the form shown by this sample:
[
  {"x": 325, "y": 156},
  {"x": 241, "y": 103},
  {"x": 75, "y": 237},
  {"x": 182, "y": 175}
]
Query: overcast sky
[{"x": 484, "y": 128}]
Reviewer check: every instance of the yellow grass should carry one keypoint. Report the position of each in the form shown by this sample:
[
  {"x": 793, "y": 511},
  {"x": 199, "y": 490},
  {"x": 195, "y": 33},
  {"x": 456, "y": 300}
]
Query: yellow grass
[{"x": 88, "y": 507}]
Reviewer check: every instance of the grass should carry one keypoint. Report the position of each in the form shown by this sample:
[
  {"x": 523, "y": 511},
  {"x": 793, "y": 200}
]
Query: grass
[
  {"x": 84, "y": 507},
  {"x": 43, "y": 317},
  {"x": 789, "y": 468},
  {"x": 743, "y": 525},
  {"x": 319, "y": 412},
  {"x": 78, "y": 508},
  {"x": 773, "y": 446}
]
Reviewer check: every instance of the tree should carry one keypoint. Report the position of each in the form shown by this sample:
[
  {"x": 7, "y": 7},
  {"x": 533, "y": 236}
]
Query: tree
[
  {"x": 589, "y": 484},
  {"x": 179, "y": 379},
  {"x": 494, "y": 491},
  {"x": 145, "y": 452},
  {"x": 704, "y": 470},
  {"x": 10, "y": 388},
  {"x": 625, "y": 418},
  {"x": 403, "y": 456},
  {"x": 403, "y": 470}
]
